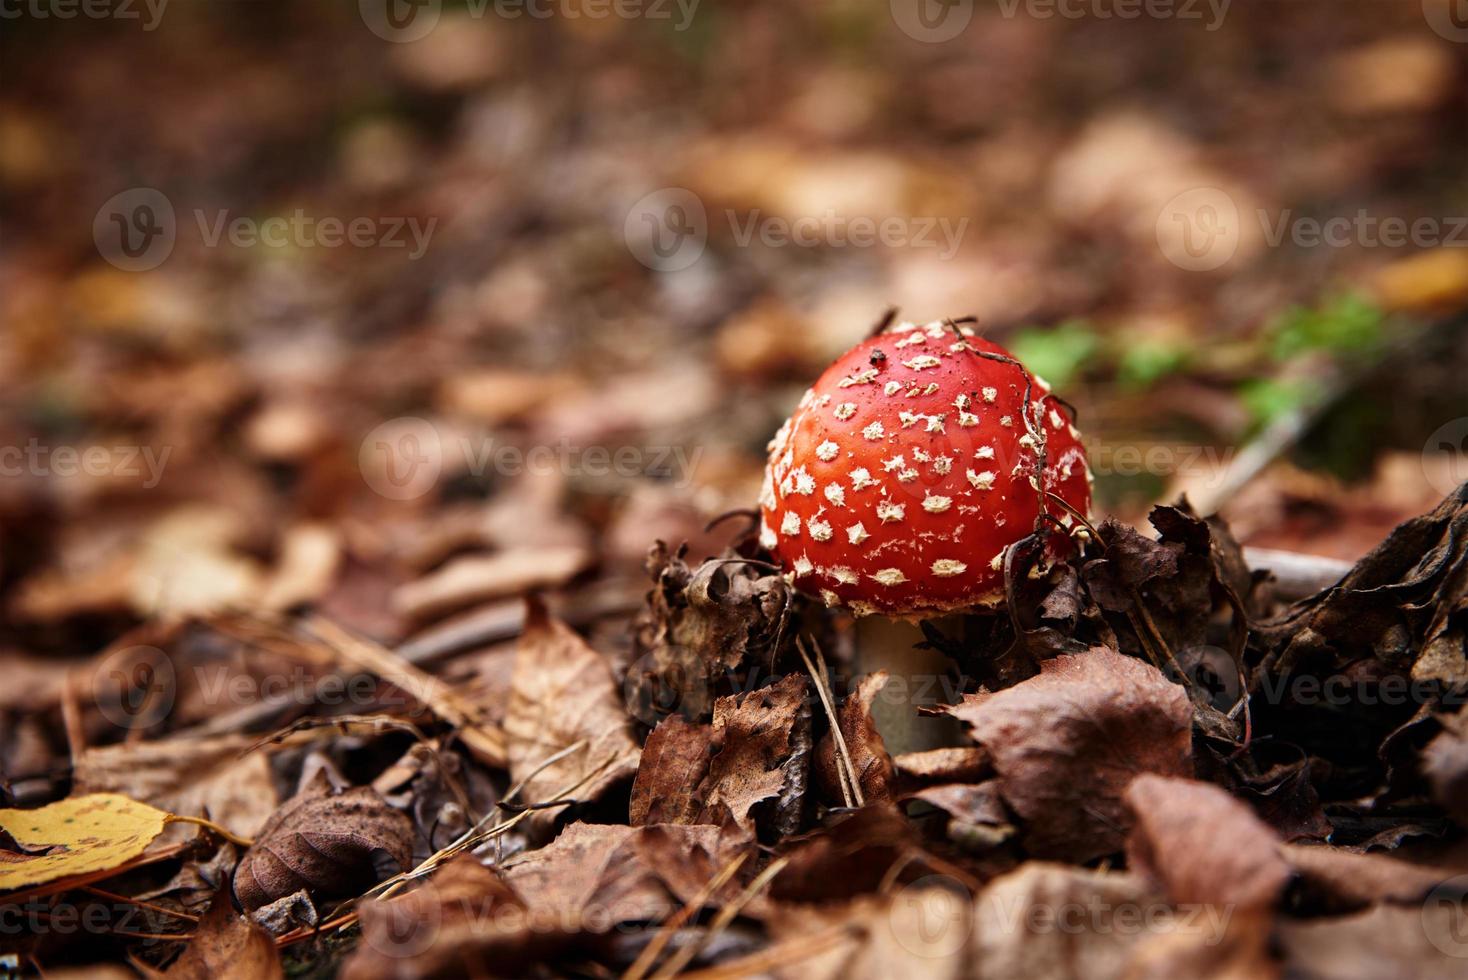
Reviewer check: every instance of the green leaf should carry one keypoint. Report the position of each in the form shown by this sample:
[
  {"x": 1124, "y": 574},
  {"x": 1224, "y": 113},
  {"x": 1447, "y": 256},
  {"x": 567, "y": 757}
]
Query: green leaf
[
  {"x": 1058, "y": 355},
  {"x": 1348, "y": 324}
]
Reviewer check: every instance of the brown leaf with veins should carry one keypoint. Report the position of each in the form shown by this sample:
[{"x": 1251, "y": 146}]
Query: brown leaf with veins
[
  {"x": 1203, "y": 846},
  {"x": 675, "y": 759},
  {"x": 1068, "y": 742},
  {"x": 227, "y": 945},
  {"x": 563, "y": 692},
  {"x": 762, "y": 752},
  {"x": 331, "y": 844},
  {"x": 874, "y": 770},
  {"x": 602, "y": 874},
  {"x": 461, "y": 919}
]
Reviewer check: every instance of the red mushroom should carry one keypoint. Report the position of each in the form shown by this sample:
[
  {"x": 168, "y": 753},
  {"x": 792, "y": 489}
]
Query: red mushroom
[{"x": 909, "y": 468}]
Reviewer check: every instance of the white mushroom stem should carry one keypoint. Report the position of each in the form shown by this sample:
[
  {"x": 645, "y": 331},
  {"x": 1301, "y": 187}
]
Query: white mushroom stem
[{"x": 919, "y": 677}]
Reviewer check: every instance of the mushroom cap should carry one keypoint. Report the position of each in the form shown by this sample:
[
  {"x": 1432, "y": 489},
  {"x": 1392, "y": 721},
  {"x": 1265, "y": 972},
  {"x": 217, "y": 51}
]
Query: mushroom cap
[{"x": 907, "y": 470}]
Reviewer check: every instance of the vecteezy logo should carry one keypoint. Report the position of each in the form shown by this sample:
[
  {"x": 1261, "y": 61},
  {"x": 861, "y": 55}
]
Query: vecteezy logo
[
  {"x": 932, "y": 21},
  {"x": 400, "y": 21},
  {"x": 667, "y": 229},
  {"x": 401, "y": 458},
  {"x": 1198, "y": 230},
  {"x": 405, "y": 926},
  {"x": 1445, "y": 916},
  {"x": 135, "y": 687},
  {"x": 135, "y": 230},
  {"x": 1447, "y": 18},
  {"x": 932, "y": 917},
  {"x": 1445, "y": 456}
]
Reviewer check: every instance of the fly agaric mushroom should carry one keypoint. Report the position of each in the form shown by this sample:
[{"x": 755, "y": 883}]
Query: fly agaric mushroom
[{"x": 911, "y": 466}]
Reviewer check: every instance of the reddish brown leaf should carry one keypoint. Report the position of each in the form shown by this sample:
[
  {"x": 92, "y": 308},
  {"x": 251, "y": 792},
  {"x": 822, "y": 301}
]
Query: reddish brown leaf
[
  {"x": 331, "y": 844},
  {"x": 562, "y": 692},
  {"x": 957, "y": 765},
  {"x": 874, "y": 771},
  {"x": 675, "y": 759},
  {"x": 461, "y": 919},
  {"x": 227, "y": 945},
  {"x": 762, "y": 752},
  {"x": 1067, "y": 743},
  {"x": 1202, "y": 845}
]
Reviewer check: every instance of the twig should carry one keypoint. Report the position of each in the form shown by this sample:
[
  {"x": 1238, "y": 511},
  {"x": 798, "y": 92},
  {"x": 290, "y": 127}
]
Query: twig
[
  {"x": 114, "y": 897},
  {"x": 777, "y": 955},
  {"x": 654, "y": 949},
  {"x": 720, "y": 921},
  {"x": 845, "y": 772}
]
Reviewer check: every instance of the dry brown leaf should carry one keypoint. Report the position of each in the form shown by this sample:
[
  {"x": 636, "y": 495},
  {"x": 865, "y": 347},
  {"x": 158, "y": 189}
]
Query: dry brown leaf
[
  {"x": 562, "y": 692},
  {"x": 957, "y": 764},
  {"x": 1445, "y": 761},
  {"x": 675, "y": 759},
  {"x": 1068, "y": 742},
  {"x": 480, "y": 578},
  {"x": 761, "y": 752},
  {"x": 1055, "y": 922},
  {"x": 601, "y": 874},
  {"x": 333, "y": 845},
  {"x": 869, "y": 758},
  {"x": 1202, "y": 845},
  {"x": 461, "y": 919},
  {"x": 1424, "y": 943},
  {"x": 310, "y": 555},
  {"x": 227, "y": 945},
  {"x": 198, "y": 777},
  {"x": 1344, "y": 881}
]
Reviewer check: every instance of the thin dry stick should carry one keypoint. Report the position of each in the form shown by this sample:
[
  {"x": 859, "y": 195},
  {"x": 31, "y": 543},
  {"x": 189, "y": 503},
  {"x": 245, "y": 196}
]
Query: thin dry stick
[
  {"x": 114, "y": 897},
  {"x": 777, "y": 955},
  {"x": 654, "y": 949},
  {"x": 846, "y": 776},
  {"x": 485, "y": 740},
  {"x": 840, "y": 736},
  {"x": 721, "y": 921}
]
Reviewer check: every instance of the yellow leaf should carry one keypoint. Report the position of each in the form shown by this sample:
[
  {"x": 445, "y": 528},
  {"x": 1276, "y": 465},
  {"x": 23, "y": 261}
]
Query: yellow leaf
[{"x": 75, "y": 836}]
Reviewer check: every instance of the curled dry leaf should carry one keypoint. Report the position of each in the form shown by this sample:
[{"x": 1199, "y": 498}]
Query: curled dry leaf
[
  {"x": 868, "y": 753},
  {"x": 762, "y": 746},
  {"x": 700, "y": 623},
  {"x": 562, "y": 692},
  {"x": 968, "y": 763},
  {"x": 675, "y": 759},
  {"x": 1068, "y": 742},
  {"x": 1401, "y": 605},
  {"x": 1203, "y": 846},
  {"x": 977, "y": 818},
  {"x": 227, "y": 945},
  {"x": 96, "y": 832},
  {"x": 331, "y": 844}
]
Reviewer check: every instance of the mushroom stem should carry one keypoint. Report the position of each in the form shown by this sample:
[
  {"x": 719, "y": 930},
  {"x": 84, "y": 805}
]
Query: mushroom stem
[{"x": 918, "y": 678}]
